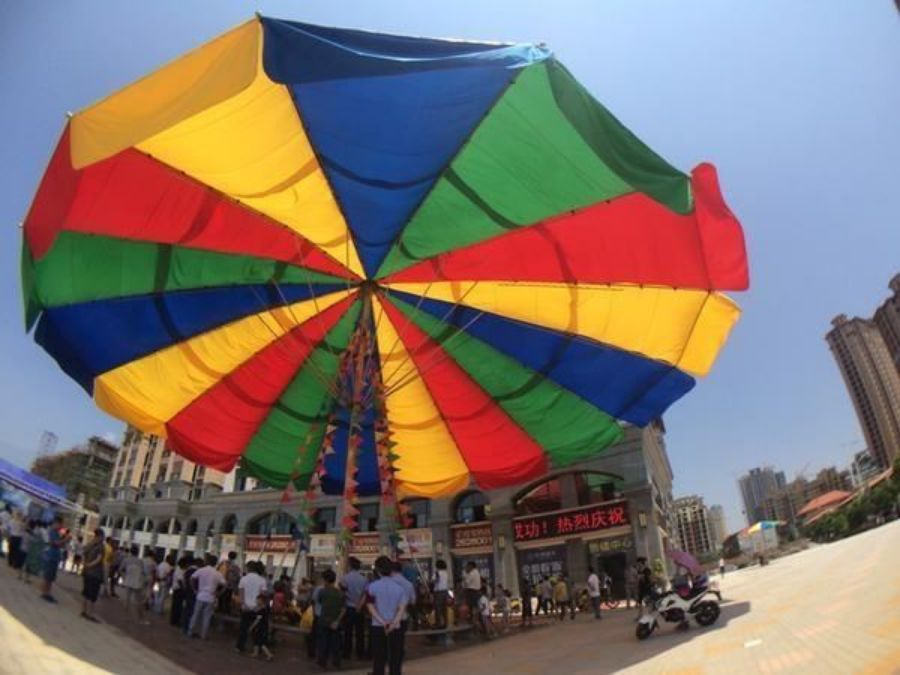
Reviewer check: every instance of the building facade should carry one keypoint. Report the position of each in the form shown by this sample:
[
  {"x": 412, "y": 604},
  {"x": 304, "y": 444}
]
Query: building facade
[
  {"x": 887, "y": 318},
  {"x": 604, "y": 512},
  {"x": 785, "y": 503},
  {"x": 863, "y": 468},
  {"x": 756, "y": 485},
  {"x": 718, "y": 529},
  {"x": 873, "y": 381},
  {"x": 692, "y": 526},
  {"x": 84, "y": 471}
]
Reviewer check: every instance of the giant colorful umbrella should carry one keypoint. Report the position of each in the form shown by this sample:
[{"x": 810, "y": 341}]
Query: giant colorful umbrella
[{"x": 373, "y": 263}]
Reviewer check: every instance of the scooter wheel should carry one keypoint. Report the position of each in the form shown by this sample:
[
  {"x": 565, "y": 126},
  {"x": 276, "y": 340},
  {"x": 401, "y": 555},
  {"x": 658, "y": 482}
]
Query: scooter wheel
[
  {"x": 643, "y": 630},
  {"x": 707, "y": 614}
]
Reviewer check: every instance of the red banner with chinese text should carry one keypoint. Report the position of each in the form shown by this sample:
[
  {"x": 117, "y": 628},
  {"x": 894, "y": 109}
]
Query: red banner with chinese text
[{"x": 572, "y": 522}]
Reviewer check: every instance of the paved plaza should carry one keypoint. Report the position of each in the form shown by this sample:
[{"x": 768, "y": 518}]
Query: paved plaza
[{"x": 831, "y": 609}]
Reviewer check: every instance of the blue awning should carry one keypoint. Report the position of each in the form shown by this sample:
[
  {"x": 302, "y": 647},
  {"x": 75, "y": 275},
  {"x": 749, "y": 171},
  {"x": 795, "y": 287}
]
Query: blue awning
[{"x": 35, "y": 486}]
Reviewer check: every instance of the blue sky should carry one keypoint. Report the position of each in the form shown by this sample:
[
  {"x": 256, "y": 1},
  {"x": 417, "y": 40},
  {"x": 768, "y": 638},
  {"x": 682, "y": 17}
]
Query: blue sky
[{"x": 796, "y": 103}]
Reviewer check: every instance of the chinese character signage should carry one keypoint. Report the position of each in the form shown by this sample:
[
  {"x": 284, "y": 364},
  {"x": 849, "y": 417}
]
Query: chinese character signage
[
  {"x": 572, "y": 522},
  {"x": 277, "y": 543},
  {"x": 612, "y": 545},
  {"x": 415, "y": 543},
  {"x": 474, "y": 536},
  {"x": 365, "y": 545},
  {"x": 537, "y": 563},
  {"x": 322, "y": 545}
]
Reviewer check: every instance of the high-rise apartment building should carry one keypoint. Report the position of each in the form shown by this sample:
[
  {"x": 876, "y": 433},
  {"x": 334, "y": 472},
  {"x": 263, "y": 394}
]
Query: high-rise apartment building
[
  {"x": 146, "y": 468},
  {"x": 718, "y": 530},
  {"x": 755, "y": 486},
  {"x": 873, "y": 380},
  {"x": 887, "y": 318},
  {"x": 692, "y": 529}
]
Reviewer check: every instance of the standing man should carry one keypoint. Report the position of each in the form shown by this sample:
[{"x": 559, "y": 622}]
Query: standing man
[
  {"x": 631, "y": 581},
  {"x": 164, "y": 574},
  {"x": 441, "y": 592},
  {"x": 527, "y": 593},
  {"x": 57, "y": 541},
  {"x": 150, "y": 578},
  {"x": 561, "y": 596},
  {"x": 92, "y": 572},
  {"x": 399, "y": 578},
  {"x": 14, "y": 533},
  {"x": 593, "y": 588},
  {"x": 472, "y": 588},
  {"x": 645, "y": 584},
  {"x": 386, "y": 602},
  {"x": 207, "y": 583},
  {"x": 249, "y": 589},
  {"x": 232, "y": 573},
  {"x": 5, "y": 519},
  {"x": 134, "y": 575},
  {"x": 354, "y": 585},
  {"x": 334, "y": 607},
  {"x": 721, "y": 567}
]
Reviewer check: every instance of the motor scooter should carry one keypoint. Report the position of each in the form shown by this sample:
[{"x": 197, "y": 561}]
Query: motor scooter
[{"x": 672, "y": 607}]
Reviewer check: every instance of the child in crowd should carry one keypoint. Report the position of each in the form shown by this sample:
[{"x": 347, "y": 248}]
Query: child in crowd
[
  {"x": 260, "y": 627},
  {"x": 484, "y": 609},
  {"x": 504, "y": 604}
]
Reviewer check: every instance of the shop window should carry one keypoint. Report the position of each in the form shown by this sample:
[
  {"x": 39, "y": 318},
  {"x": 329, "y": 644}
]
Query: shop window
[
  {"x": 419, "y": 512},
  {"x": 229, "y": 524},
  {"x": 324, "y": 520},
  {"x": 271, "y": 523},
  {"x": 542, "y": 498},
  {"x": 368, "y": 517},
  {"x": 191, "y": 528},
  {"x": 472, "y": 507},
  {"x": 594, "y": 487}
]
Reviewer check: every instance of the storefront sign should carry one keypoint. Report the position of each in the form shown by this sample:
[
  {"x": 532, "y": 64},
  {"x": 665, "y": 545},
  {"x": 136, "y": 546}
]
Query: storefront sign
[
  {"x": 229, "y": 542},
  {"x": 611, "y": 545},
  {"x": 537, "y": 563},
  {"x": 365, "y": 545},
  {"x": 415, "y": 543},
  {"x": 322, "y": 545},
  {"x": 277, "y": 543},
  {"x": 571, "y": 522},
  {"x": 471, "y": 537}
]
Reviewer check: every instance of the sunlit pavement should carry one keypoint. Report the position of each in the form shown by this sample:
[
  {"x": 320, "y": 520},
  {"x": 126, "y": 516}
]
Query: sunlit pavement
[
  {"x": 830, "y": 609},
  {"x": 39, "y": 637}
]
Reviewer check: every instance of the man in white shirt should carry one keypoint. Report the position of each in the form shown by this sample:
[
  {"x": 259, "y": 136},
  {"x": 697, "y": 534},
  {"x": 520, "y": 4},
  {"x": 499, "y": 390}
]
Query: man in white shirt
[
  {"x": 593, "y": 588},
  {"x": 207, "y": 583},
  {"x": 5, "y": 518},
  {"x": 164, "y": 572},
  {"x": 472, "y": 588},
  {"x": 441, "y": 589},
  {"x": 250, "y": 587},
  {"x": 134, "y": 579}
]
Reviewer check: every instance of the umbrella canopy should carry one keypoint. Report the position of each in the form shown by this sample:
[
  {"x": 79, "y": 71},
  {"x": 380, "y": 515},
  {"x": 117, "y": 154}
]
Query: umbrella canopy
[
  {"x": 366, "y": 262},
  {"x": 686, "y": 560}
]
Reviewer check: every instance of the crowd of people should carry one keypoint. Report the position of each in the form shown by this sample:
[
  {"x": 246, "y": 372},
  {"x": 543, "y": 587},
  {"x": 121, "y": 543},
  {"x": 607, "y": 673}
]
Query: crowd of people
[{"x": 366, "y": 615}]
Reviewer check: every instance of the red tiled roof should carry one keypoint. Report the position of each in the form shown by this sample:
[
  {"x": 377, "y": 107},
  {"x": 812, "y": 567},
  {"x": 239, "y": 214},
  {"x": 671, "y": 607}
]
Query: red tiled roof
[{"x": 823, "y": 501}]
